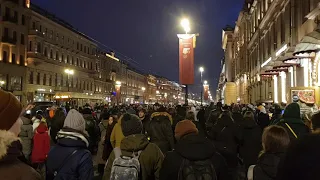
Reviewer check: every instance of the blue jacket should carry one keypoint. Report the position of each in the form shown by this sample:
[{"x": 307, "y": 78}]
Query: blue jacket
[{"x": 79, "y": 166}]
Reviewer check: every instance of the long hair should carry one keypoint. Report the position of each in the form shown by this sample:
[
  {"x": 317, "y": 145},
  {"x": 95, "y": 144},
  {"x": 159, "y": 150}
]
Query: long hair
[{"x": 274, "y": 139}]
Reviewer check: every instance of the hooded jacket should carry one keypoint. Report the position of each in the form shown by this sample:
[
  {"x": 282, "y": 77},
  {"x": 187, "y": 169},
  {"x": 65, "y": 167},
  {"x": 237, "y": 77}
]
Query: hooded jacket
[
  {"x": 292, "y": 117},
  {"x": 26, "y": 136},
  {"x": 150, "y": 158},
  {"x": 80, "y": 165},
  {"x": 160, "y": 131},
  {"x": 10, "y": 163},
  {"x": 116, "y": 135},
  {"x": 267, "y": 166},
  {"x": 194, "y": 148},
  {"x": 41, "y": 144}
]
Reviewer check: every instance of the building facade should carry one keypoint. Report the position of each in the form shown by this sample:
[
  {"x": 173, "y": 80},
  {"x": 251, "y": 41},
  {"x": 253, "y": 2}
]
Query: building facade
[{"x": 275, "y": 50}]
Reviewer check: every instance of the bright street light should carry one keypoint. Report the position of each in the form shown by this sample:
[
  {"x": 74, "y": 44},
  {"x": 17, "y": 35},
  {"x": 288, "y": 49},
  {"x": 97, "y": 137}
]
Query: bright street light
[
  {"x": 157, "y": 92},
  {"x": 201, "y": 69},
  {"x": 69, "y": 71},
  {"x": 2, "y": 82},
  {"x": 143, "y": 88},
  {"x": 205, "y": 82},
  {"x": 186, "y": 25},
  {"x": 118, "y": 83}
]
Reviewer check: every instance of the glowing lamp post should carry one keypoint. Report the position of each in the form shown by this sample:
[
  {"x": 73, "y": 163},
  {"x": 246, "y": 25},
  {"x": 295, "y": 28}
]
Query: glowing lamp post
[
  {"x": 69, "y": 73},
  {"x": 143, "y": 95},
  {"x": 118, "y": 92},
  {"x": 201, "y": 69}
]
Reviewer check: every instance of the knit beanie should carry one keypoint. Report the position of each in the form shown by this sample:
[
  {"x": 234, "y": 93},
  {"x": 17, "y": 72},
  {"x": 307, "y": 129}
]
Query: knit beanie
[
  {"x": 131, "y": 124},
  {"x": 10, "y": 110},
  {"x": 75, "y": 120},
  {"x": 185, "y": 127}
]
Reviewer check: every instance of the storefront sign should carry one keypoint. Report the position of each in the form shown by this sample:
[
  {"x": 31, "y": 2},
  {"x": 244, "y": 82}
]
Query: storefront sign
[
  {"x": 206, "y": 92},
  {"x": 186, "y": 58},
  {"x": 305, "y": 98}
]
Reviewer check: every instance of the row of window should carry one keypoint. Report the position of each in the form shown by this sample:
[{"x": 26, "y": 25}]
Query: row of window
[
  {"x": 14, "y": 60},
  {"x": 61, "y": 80},
  {"x": 13, "y": 83},
  {"x": 12, "y": 15},
  {"x": 14, "y": 35}
]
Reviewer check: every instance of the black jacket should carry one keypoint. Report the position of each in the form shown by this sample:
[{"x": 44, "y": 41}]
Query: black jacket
[
  {"x": 292, "y": 118},
  {"x": 250, "y": 144},
  {"x": 263, "y": 120},
  {"x": 160, "y": 131},
  {"x": 238, "y": 118},
  {"x": 93, "y": 130},
  {"x": 192, "y": 147},
  {"x": 267, "y": 166}
]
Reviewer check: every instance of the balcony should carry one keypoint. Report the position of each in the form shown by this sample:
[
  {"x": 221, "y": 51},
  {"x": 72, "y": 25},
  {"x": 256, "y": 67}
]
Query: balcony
[
  {"x": 35, "y": 32},
  {"x": 10, "y": 19},
  {"x": 9, "y": 41},
  {"x": 12, "y": 1}
]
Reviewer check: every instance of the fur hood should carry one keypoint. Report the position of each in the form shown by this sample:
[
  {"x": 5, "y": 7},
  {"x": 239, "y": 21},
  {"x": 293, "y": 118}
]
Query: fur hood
[
  {"x": 72, "y": 135},
  {"x": 6, "y": 139}
]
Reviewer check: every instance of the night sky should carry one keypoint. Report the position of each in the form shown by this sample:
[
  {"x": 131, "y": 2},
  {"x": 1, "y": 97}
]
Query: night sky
[{"x": 144, "y": 31}]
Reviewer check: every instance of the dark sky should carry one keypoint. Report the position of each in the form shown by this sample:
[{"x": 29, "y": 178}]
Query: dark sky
[{"x": 145, "y": 30}]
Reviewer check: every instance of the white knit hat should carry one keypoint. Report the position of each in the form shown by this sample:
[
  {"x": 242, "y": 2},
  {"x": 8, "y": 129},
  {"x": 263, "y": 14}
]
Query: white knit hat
[{"x": 75, "y": 120}]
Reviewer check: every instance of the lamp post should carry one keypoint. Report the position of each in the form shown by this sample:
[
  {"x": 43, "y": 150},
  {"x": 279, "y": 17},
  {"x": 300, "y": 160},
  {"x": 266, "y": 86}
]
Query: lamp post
[
  {"x": 201, "y": 69},
  {"x": 69, "y": 72},
  {"x": 143, "y": 90},
  {"x": 118, "y": 86}
]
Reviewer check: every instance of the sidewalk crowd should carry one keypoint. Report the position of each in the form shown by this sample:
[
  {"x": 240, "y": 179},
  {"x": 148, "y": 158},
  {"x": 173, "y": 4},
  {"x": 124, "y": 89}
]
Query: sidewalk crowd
[{"x": 131, "y": 142}]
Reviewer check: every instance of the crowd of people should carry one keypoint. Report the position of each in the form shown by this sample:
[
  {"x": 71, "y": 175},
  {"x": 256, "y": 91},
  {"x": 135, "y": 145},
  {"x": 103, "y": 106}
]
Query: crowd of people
[{"x": 216, "y": 142}]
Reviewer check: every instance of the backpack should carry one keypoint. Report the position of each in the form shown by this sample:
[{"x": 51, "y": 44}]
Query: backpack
[
  {"x": 125, "y": 167},
  {"x": 197, "y": 170}
]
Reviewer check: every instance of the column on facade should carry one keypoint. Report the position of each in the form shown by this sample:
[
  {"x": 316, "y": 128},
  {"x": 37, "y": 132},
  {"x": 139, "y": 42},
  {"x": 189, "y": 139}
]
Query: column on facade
[
  {"x": 275, "y": 89},
  {"x": 283, "y": 88}
]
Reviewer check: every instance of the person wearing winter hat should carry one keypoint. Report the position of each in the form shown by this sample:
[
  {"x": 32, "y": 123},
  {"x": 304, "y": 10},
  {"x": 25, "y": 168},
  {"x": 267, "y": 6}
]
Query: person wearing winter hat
[
  {"x": 12, "y": 159},
  {"x": 150, "y": 155},
  {"x": 192, "y": 147},
  {"x": 72, "y": 145}
]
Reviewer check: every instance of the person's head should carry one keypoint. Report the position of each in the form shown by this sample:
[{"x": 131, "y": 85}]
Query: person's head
[
  {"x": 75, "y": 120},
  {"x": 262, "y": 109},
  {"x": 275, "y": 139},
  {"x": 248, "y": 115},
  {"x": 87, "y": 111},
  {"x": 315, "y": 120},
  {"x": 190, "y": 116},
  {"x": 142, "y": 113},
  {"x": 10, "y": 111},
  {"x": 184, "y": 128},
  {"x": 131, "y": 124}
]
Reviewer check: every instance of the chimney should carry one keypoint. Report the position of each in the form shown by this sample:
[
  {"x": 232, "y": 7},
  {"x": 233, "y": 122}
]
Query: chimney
[{"x": 112, "y": 53}]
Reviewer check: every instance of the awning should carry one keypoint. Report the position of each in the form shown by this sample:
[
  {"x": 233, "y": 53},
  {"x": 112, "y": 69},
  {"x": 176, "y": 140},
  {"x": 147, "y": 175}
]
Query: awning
[
  {"x": 310, "y": 43},
  {"x": 277, "y": 70},
  {"x": 269, "y": 74}
]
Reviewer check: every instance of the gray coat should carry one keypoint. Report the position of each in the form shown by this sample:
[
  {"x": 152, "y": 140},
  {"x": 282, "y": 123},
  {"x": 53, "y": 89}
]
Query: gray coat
[{"x": 26, "y": 136}]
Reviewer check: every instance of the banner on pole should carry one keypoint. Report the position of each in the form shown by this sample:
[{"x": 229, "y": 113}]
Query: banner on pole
[
  {"x": 206, "y": 92},
  {"x": 186, "y": 58}
]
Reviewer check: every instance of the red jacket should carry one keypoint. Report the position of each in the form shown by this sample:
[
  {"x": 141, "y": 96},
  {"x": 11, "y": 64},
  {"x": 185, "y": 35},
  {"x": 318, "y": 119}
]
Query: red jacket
[{"x": 41, "y": 144}]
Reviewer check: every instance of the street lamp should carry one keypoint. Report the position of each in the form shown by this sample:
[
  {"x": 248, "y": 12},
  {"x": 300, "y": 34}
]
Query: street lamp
[
  {"x": 186, "y": 25},
  {"x": 201, "y": 69},
  {"x": 205, "y": 82},
  {"x": 143, "y": 89},
  {"x": 69, "y": 72}
]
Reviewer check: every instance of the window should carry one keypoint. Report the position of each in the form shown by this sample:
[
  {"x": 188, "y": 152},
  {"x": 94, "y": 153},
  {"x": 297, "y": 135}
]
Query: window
[
  {"x": 13, "y": 58},
  {"x": 77, "y": 62},
  {"x": 15, "y": 16},
  {"x": 38, "y": 78},
  {"x": 7, "y": 12},
  {"x": 22, "y": 60},
  {"x": 33, "y": 25},
  {"x": 71, "y": 60},
  {"x": 31, "y": 78},
  {"x": 61, "y": 80},
  {"x": 44, "y": 79},
  {"x": 45, "y": 52},
  {"x": 23, "y": 20},
  {"x": 57, "y": 55},
  {"x": 30, "y": 46},
  {"x": 62, "y": 58},
  {"x": 46, "y": 31},
  {"x": 6, "y": 32},
  {"x": 16, "y": 83},
  {"x": 77, "y": 45},
  {"x": 50, "y": 80},
  {"x": 51, "y": 54},
  {"x": 14, "y": 37},
  {"x": 68, "y": 59},
  {"x": 40, "y": 28},
  {"x": 4, "y": 56},
  {"x": 80, "y": 47},
  {"x": 22, "y": 39},
  {"x": 38, "y": 47}
]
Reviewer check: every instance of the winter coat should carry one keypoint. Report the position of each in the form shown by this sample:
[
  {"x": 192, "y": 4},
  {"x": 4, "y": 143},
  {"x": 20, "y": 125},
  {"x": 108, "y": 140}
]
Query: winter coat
[
  {"x": 226, "y": 138},
  {"x": 238, "y": 118},
  {"x": 93, "y": 131},
  {"x": 194, "y": 148},
  {"x": 116, "y": 135},
  {"x": 103, "y": 126},
  {"x": 11, "y": 167},
  {"x": 263, "y": 120},
  {"x": 145, "y": 122},
  {"x": 26, "y": 136},
  {"x": 212, "y": 119},
  {"x": 41, "y": 144},
  {"x": 150, "y": 159},
  {"x": 56, "y": 124},
  {"x": 107, "y": 149},
  {"x": 267, "y": 166},
  {"x": 79, "y": 166},
  {"x": 201, "y": 118},
  {"x": 292, "y": 117},
  {"x": 160, "y": 131},
  {"x": 250, "y": 142}
]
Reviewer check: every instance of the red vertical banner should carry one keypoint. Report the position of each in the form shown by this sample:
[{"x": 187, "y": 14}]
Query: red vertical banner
[
  {"x": 186, "y": 58},
  {"x": 206, "y": 92}
]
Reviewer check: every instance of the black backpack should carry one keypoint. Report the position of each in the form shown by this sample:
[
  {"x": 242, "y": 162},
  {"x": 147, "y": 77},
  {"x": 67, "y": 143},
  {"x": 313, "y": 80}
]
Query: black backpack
[{"x": 197, "y": 170}]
